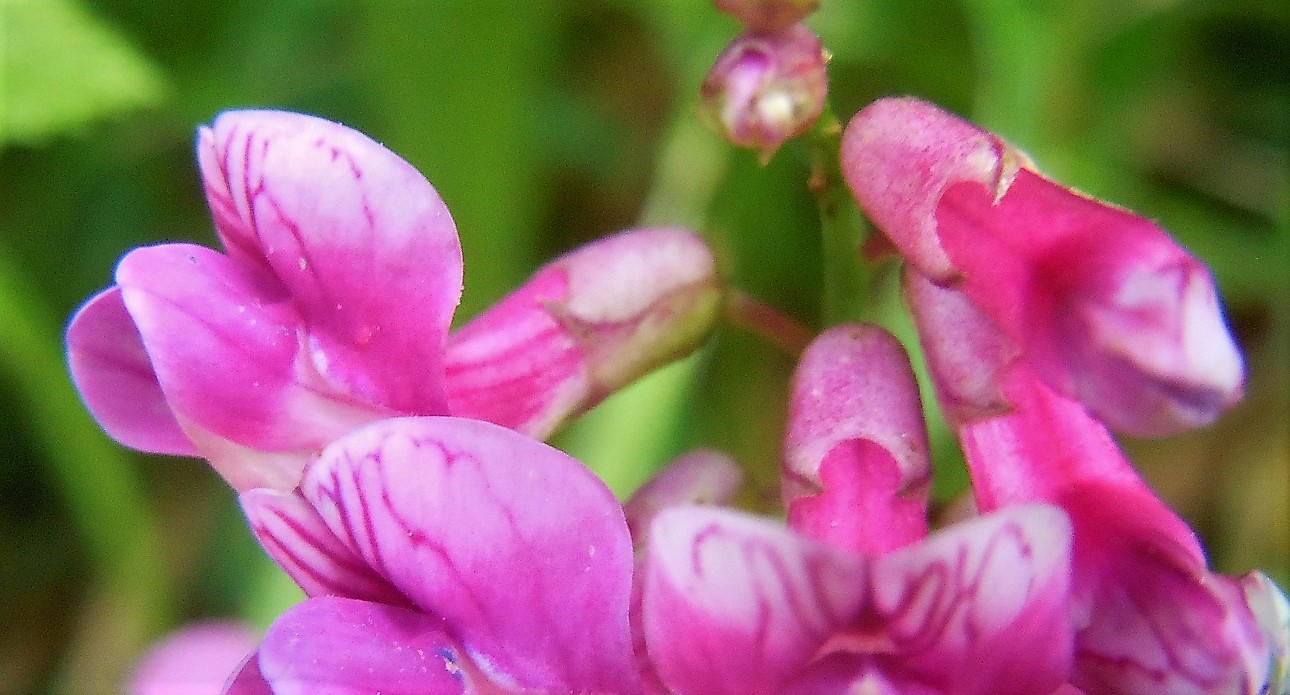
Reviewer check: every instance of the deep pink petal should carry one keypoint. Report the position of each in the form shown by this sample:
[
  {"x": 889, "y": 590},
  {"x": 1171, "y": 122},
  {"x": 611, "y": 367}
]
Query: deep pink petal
[
  {"x": 360, "y": 240},
  {"x": 195, "y": 660},
  {"x": 735, "y": 605},
  {"x": 115, "y": 378},
  {"x": 702, "y": 476},
  {"x": 247, "y": 679},
  {"x": 522, "y": 551},
  {"x": 297, "y": 538},
  {"x": 335, "y": 646},
  {"x": 856, "y": 465},
  {"x": 956, "y": 606},
  {"x": 1108, "y": 308},
  {"x": 582, "y": 327},
  {"x": 225, "y": 346}
]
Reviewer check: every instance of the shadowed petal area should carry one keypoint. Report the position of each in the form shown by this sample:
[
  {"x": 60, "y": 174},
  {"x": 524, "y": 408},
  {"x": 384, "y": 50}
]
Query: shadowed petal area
[
  {"x": 359, "y": 239},
  {"x": 115, "y": 378},
  {"x": 735, "y": 605},
  {"x": 297, "y": 538},
  {"x": 247, "y": 679},
  {"x": 224, "y": 344},
  {"x": 335, "y": 646},
  {"x": 957, "y": 605},
  {"x": 520, "y": 549},
  {"x": 702, "y": 476}
]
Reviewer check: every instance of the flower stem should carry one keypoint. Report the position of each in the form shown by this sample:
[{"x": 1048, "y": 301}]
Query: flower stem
[
  {"x": 846, "y": 280},
  {"x": 756, "y": 316}
]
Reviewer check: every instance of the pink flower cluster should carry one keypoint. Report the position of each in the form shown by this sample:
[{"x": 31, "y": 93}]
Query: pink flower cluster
[{"x": 394, "y": 468}]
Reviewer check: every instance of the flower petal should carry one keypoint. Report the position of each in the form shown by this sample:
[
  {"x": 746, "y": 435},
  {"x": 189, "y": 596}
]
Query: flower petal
[
  {"x": 196, "y": 660},
  {"x": 360, "y": 240},
  {"x": 584, "y": 326},
  {"x": 116, "y": 380},
  {"x": 336, "y": 646},
  {"x": 957, "y": 605},
  {"x": 702, "y": 476},
  {"x": 247, "y": 679},
  {"x": 522, "y": 551},
  {"x": 224, "y": 344},
  {"x": 297, "y": 538},
  {"x": 735, "y": 605},
  {"x": 856, "y": 466}
]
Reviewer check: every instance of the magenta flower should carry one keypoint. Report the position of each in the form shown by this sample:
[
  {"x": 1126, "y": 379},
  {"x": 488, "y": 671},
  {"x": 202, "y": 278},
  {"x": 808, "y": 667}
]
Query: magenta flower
[
  {"x": 1105, "y": 306},
  {"x": 331, "y": 307},
  {"x": 735, "y": 605},
  {"x": 195, "y": 660},
  {"x": 1150, "y": 616},
  {"x": 507, "y": 566}
]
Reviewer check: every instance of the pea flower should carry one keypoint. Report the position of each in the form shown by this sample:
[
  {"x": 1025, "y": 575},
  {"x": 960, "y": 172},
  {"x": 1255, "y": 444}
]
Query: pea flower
[
  {"x": 766, "y": 88},
  {"x": 508, "y": 567},
  {"x": 195, "y": 660},
  {"x": 1150, "y": 617},
  {"x": 1104, "y": 305},
  {"x": 331, "y": 304}
]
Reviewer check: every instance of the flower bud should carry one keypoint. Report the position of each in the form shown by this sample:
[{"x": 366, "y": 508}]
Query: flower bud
[
  {"x": 584, "y": 326},
  {"x": 768, "y": 16},
  {"x": 766, "y": 88}
]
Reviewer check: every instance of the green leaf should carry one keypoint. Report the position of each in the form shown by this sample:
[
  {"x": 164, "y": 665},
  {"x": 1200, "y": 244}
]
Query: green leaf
[{"x": 64, "y": 68}]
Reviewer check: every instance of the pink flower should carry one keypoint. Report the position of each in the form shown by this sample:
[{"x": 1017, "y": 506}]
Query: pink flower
[
  {"x": 330, "y": 308},
  {"x": 735, "y": 605},
  {"x": 768, "y": 16},
  {"x": 1149, "y": 615},
  {"x": 766, "y": 88},
  {"x": 506, "y": 567},
  {"x": 1103, "y": 304}
]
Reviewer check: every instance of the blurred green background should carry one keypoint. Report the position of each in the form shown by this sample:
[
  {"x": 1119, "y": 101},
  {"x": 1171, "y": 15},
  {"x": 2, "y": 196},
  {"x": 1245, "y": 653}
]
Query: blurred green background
[{"x": 544, "y": 125}]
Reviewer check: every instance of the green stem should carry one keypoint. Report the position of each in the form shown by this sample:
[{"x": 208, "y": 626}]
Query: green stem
[
  {"x": 99, "y": 483},
  {"x": 846, "y": 280}
]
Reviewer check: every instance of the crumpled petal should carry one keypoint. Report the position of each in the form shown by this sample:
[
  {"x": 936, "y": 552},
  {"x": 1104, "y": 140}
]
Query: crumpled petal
[
  {"x": 856, "y": 468},
  {"x": 518, "y": 547},
  {"x": 957, "y": 605},
  {"x": 735, "y": 605},
  {"x": 357, "y": 237},
  {"x": 583, "y": 326},
  {"x": 116, "y": 380},
  {"x": 336, "y": 646},
  {"x": 296, "y": 537},
  {"x": 195, "y": 660}
]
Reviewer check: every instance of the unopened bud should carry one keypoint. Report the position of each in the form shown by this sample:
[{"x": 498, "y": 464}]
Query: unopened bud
[
  {"x": 584, "y": 326},
  {"x": 768, "y": 16},
  {"x": 766, "y": 88}
]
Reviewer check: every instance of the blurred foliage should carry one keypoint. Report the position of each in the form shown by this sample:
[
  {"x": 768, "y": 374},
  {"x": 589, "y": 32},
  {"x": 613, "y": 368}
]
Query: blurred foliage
[{"x": 543, "y": 125}]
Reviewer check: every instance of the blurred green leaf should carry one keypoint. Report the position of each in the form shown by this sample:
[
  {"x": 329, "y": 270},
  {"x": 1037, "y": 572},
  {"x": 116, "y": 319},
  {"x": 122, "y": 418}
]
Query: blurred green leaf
[{"x": 63, "y": 68}]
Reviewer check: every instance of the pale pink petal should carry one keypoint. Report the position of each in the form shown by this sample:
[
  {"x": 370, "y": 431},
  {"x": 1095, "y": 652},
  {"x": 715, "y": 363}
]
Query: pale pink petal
[
  {"x": 735, "y": 605},
  {"x": 520, "y": 549},
  {"x": 967, "y": 355},
  {"x": 224, "y": 344},
  {"x": 856, "y": 465},
  {"x": 297, "y": 538},
  {"x": 899, "y": 155},
  {"x": 702, "y": 476},
  {"x": 957, "y": 606},
  {"x": 1160, "y": 627},
  {"x": 115, "y": 378},
  {"x": 335, "y": 646},
  {"x": 195, "y": 660},
  {"x": 359, "y": 240},
  {"x": 584, "y": 326}
]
